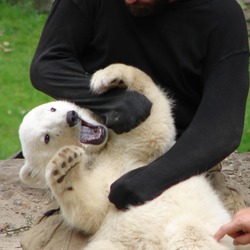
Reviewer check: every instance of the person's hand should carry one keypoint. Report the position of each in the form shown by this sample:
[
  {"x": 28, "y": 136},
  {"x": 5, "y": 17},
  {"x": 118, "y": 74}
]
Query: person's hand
[
  {"x": 238, "y": 228},
  {"x": 122, "y": 110},
  {"x": 131, "y": 190}
]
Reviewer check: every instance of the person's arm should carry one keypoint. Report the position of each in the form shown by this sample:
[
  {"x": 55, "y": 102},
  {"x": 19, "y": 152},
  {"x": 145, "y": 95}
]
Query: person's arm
[
  {"x": 238, "y": 228},
  {"x": 216, "y": 128},
  {"x": 213, "y": 134},
  {"x": 57, "y": 68}
]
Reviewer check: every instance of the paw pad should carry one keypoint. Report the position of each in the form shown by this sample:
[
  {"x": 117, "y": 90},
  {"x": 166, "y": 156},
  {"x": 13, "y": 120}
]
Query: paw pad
[
  {"x": 60, "y": 180},
  {"x": 63, "y": 168},
  {"x": 56, "y": 172}
]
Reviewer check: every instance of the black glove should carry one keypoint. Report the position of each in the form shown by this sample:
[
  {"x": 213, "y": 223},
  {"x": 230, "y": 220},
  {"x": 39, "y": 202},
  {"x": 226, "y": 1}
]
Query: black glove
[
  {"x": 121, "y": 110},
  {"x": 123, "y": 192},
  {"x": 136, "y": 187},
  {"x": 145, "y": 183}
]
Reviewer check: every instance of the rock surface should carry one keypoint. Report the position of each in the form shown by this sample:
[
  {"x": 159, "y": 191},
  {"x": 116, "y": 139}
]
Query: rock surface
[{"x": 20, "y": 206}]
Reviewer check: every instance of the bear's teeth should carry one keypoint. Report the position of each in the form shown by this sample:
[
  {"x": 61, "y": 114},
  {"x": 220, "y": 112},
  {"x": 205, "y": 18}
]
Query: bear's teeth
[
  {"x": 87, "y": 134},
  {"x": 92, "y": 134}
]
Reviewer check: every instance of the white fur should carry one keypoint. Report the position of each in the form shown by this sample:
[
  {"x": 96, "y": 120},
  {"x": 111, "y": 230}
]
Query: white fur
[{"x": 184, "y": 217}]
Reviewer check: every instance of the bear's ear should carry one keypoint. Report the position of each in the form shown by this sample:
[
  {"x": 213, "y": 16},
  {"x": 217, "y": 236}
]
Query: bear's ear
[{"x": 30, "y": 176}]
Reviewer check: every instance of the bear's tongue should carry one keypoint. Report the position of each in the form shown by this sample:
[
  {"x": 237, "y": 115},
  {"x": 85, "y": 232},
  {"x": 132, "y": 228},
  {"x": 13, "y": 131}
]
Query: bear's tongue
[{"x": 91, "y": 134}]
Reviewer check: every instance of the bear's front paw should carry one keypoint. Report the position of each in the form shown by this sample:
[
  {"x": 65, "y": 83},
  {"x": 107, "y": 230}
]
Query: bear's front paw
[
  {"x": 64, "y": 169},
  {"x": 107, "y": 78}
]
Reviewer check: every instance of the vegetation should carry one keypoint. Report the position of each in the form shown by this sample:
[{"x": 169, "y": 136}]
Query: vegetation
[
  {"x": 20, "y": 28},
  {"x": 245, "y": 142}
]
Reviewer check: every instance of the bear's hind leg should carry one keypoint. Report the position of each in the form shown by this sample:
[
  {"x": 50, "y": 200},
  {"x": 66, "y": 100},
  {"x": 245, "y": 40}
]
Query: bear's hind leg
[{"x": 121, "y": 76}]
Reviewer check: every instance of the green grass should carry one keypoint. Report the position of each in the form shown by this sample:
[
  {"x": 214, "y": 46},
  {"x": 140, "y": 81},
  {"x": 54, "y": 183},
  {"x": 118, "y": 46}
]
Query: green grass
[
  {"x": 245, "y": 141},
  {"x": 20, "y": 28}
]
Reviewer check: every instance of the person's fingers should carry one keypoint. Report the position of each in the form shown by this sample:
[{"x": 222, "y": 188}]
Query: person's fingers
[
  {"x": 219, "y": 234},
  {"x": 243, "y": 239},
  {"x": 230, "y": 229},
  {"x": 238, "y": 228}
]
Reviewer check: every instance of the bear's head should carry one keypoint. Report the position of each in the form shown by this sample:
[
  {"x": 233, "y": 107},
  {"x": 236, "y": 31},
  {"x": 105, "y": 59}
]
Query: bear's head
[{"x": 51, "y": 126}]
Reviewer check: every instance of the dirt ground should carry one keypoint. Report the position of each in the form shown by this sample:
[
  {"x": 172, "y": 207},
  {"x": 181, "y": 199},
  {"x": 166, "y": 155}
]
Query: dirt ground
[{"x": 21, "y": 206}]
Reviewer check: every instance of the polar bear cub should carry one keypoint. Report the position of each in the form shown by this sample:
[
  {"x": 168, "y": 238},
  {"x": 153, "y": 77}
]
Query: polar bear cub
[{"x": 69, "y": 150}]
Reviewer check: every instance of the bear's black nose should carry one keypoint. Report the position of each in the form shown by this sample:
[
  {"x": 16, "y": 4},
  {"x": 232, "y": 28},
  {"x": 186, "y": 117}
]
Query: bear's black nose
[{"x": 72, "y": 118}]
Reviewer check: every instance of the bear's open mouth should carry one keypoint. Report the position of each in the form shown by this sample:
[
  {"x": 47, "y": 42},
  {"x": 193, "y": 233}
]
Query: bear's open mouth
[{"x": 92, "y": 134}]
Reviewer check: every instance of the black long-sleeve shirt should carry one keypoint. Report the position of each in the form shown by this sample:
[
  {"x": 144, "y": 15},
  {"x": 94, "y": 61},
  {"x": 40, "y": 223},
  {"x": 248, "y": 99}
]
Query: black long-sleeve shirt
[{"x": 196, "y": 49}]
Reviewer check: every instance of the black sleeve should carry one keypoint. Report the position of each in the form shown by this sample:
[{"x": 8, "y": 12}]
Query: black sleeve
[
  {"x": 214, "y": 133},
  {"x": 56, "y": 69},
  {"x": 216, "y": 129}
]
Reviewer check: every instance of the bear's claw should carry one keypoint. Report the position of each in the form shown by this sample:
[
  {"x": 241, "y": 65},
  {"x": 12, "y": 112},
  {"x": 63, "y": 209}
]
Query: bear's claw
[
  {"x": 106, "y": 79},
  {"x": 59, "y": 172}
]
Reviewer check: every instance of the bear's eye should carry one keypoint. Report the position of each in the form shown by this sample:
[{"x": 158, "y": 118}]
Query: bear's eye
[
  {"x": 53, "y": 110},
  {"x": 46, "y": 138}
]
